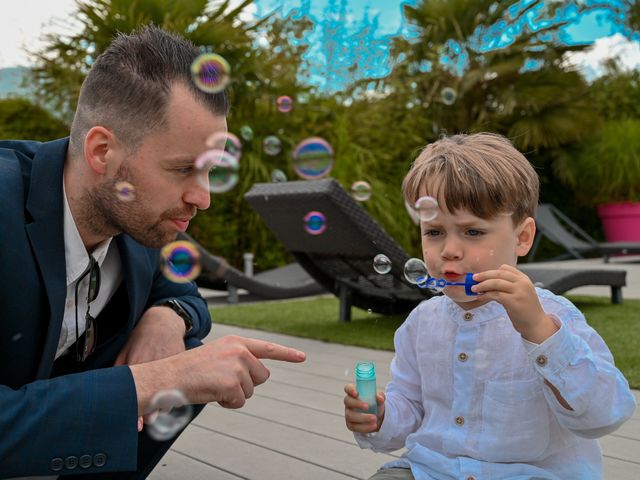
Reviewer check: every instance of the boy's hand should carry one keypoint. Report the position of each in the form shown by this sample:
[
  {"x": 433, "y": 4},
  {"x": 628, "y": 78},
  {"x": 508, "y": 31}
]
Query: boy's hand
[
  {"x": 356, "y": 420},
  {"x": 515, "y": 292}
]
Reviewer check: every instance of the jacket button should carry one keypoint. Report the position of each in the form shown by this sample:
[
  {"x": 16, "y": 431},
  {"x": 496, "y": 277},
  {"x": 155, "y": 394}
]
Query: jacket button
[
  {"x": 56, "y": 464},
  {"x": 86, "y": 461},
  {"x": 99, "y": 459},
  {"x": 71, "y": 462}
]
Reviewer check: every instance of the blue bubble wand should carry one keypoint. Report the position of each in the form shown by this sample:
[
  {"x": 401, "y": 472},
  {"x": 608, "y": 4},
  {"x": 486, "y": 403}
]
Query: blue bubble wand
[{"x": 439, "y": 283}]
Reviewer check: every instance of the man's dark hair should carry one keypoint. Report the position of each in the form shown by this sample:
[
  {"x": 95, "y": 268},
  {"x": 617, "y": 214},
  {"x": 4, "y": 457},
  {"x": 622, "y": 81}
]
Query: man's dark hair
[{"x": 128, "y": 87}]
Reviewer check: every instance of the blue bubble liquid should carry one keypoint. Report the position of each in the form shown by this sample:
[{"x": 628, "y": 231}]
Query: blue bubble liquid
[{"x": 366, "y": 385}]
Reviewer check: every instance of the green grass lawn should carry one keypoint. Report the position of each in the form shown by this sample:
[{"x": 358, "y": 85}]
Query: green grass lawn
[{"x": 317, "y": 318}]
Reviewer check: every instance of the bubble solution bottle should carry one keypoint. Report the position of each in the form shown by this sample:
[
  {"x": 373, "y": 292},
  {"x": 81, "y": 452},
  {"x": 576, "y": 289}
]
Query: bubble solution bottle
[{"x": 366, "y": 385}]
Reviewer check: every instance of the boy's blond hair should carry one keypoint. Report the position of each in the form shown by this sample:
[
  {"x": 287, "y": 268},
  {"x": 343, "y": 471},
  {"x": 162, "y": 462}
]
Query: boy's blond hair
[{"x": 481, "y": 172}]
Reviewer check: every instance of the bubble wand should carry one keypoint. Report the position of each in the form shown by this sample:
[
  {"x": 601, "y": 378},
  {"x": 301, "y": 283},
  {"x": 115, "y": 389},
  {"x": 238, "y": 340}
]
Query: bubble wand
[{"x": 439, "y": 283}]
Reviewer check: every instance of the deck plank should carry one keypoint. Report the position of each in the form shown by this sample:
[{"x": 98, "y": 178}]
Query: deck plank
[
  {"x": 246, "y": 459},
  {"x": 182, "y": 465}
]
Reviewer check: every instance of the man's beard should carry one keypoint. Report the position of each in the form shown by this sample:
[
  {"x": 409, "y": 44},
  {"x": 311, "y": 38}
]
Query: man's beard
[{"x": 106, "y": 215}]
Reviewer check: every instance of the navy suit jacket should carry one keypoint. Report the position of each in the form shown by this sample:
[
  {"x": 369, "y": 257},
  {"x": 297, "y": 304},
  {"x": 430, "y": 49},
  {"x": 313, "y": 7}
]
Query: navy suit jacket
[{"x": 93, "y": 412}]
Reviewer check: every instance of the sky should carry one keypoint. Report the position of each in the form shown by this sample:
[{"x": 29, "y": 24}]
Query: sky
[{"x": 23, "y": 22}]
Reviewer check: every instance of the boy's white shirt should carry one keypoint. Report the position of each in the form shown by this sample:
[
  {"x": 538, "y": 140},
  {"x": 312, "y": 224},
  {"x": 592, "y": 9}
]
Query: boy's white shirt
[{"x": 512, "y": 426}]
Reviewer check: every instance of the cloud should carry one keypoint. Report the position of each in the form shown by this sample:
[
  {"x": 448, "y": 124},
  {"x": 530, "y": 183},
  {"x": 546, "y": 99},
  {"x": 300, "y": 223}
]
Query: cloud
[
  {"x": 591, "y": 61},
  {"x": 23, "y": 23}
]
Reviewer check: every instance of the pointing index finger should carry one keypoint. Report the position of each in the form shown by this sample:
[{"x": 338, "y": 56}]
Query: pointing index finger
[{"x": 274, "y": 351}]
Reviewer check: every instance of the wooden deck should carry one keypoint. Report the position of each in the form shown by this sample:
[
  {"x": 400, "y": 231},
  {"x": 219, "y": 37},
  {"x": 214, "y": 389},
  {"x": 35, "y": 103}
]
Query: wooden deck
[{"x": 294, "y": 425}]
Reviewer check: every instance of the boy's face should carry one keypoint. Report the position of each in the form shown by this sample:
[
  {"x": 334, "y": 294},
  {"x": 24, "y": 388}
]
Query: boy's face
[{"x": 454, "y": 244}]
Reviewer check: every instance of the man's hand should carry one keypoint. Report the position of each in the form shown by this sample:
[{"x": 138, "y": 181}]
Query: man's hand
[
  {"x": 515, "y": 292},
  {"x": 158, "y": 334},
  {"x": 225, "y": 370}
]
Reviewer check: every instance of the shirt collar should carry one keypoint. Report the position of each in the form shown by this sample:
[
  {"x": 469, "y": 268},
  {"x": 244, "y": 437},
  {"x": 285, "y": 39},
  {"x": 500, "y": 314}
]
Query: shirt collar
[
  {"x": 75, "y": 253},
  {"x": 473, "y": 316}
]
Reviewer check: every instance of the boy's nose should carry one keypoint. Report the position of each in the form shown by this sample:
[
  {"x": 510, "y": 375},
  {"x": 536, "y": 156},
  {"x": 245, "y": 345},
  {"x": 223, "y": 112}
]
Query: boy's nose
[{"x": 451, "y": 250}]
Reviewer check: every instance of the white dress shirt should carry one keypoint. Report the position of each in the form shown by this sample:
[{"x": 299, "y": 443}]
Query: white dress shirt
[
  {"x": 77, "y": 261},
  {"x": 468, "y": 401}
]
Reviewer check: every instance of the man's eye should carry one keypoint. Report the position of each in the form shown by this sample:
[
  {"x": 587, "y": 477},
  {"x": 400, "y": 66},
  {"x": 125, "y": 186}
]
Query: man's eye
[{"x": 184, "y": 170}]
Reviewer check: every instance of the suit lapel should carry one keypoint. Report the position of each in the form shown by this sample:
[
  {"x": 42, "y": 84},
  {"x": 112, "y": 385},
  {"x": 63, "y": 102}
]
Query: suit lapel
[
  {"x": 46, "y": 235},
  {"x": 138, "y": 275}
]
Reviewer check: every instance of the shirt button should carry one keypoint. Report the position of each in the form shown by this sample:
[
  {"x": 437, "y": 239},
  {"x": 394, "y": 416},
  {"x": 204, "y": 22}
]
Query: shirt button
[
  {"x": 541, "y": 360},
  {"x": 471, "y": 477},
  {"x": 459, "y": 421},
  {"x": 468, "y": 316},
  {"x": 463, "y": 357}
]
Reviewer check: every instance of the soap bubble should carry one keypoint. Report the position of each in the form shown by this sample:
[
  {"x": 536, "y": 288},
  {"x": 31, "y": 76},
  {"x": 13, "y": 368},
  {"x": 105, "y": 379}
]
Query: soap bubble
[
  {"x": 285, "y": 104},
  {"x": 415, "y": 270},
  {"x": 413, "y": 214},
  {"x": 315, "y": 223},
  {"x": 361, "y": 191},
  {"x": 271, "y": 145},
  {"x": 278, "y": 176},
  {"x": 180, "y": 261},
  {"x": 427, "y": 208},
  {"x": 313, "y": 158},
  {"x": 210, "y": 72},
  {"x": 221, "y": 168},
  {"x": 381, "y": 264},
  {"x": 246, "y": 133},
  {"x": 174, "y": 413},
  {"x": 448, "y": 95},
  {"x": 226, "y": 141},
  {"x": 125, "y": 192}
]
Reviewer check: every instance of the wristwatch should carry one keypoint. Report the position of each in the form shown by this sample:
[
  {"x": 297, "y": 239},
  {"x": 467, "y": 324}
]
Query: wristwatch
[{"x": 174, "y": 305}]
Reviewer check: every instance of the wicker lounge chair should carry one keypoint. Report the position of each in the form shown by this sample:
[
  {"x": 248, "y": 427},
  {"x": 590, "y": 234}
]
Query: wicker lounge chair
[
  {"x": 559, "y": 228},
  {"x": 289, "y": 281},
  {"x": 341, "y": 258}
]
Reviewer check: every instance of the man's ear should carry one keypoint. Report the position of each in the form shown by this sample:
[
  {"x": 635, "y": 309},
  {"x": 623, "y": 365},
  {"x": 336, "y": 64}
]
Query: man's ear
[
  {"x": 526, "y": 233},
  {"x": 99, "y": 145}
]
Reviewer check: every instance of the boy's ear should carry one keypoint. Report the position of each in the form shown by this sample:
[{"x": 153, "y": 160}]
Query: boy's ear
[{"x": 526, "y": 233}]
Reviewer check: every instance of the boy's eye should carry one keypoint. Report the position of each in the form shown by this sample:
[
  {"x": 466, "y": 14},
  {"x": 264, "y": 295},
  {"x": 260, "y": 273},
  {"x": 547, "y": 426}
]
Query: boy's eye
[
  {"x": 474, "y": 233},
  {"x": 431, "y": 233},
  {"x": 184, "y": 170}
]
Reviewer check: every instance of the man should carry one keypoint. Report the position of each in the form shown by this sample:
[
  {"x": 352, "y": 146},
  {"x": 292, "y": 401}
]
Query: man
[{"x": 90, "y": 330}]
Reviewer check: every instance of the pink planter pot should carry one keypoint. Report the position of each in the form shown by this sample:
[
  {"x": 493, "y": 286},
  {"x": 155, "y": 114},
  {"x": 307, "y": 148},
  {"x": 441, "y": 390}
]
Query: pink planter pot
[{"x": 620, "y": 221}]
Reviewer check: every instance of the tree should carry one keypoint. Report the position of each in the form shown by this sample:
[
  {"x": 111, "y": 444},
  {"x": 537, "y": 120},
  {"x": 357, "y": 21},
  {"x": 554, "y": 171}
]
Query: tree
[{"x": 22, "y": 120}]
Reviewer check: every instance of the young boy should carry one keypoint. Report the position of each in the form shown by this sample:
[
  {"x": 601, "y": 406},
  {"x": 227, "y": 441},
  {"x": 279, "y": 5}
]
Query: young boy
[{"x": 511, "y": 383}]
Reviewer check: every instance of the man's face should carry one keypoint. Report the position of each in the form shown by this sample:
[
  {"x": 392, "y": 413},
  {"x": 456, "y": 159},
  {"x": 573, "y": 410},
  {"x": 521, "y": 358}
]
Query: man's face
[
  {"x": 167, "y": 189},
  {"x": 454, "y": 244}
]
